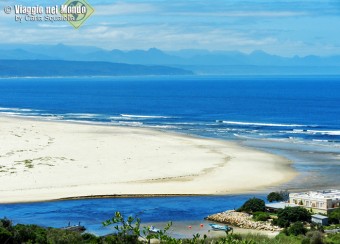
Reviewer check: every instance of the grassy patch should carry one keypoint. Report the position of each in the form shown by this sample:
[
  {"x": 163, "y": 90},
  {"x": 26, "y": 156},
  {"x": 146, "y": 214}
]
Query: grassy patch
[
  {"x": 261, "y": 216},
  {"x": 332, "y": 227}
]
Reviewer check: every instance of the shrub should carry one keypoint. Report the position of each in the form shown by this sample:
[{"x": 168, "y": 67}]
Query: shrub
[
  {"x": 90, "y": 238},
  {"x": 333, "y": 238},
  {"x": 253, "y": 205},
  {"x": 314, "y": 237},
  {"x": 63, "y": 236},
  {"x": 6, "y": 223},
  {"x": 29, "y": 233},
  {"x": 318, "y": 227},
  {"x": 274, "y": 197},
  {"x": 260, "y": 216},
  {"x": 5, "y": 235},
  {"x": 290, "y": 215},
  {"x": 296, "y": 229},
  {"x": 334, "y": 216}
]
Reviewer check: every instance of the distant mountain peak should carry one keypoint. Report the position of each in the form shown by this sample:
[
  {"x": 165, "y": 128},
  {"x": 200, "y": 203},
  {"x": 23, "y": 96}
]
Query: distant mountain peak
[
  {"x": 154, "y": 50},
  {"x": 154, "y": 56}
]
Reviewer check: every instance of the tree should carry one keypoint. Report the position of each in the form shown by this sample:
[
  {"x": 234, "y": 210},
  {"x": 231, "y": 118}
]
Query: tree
[
  {"x": 334, "y": 216},
  {"x": 290, "y": 215},
  {"x": 253, "y": 205},
  {"x": 275, "y": 197},
  {"x": 285, "y": 195},
  {"x": 128, "y": 231}
]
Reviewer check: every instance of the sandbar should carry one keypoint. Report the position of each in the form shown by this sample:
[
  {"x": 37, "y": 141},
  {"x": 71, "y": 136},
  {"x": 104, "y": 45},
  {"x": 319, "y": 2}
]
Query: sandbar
[{"x": 49, "y": 160}]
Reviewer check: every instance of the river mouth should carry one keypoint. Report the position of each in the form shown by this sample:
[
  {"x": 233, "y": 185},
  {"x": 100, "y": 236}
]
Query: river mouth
[{"x": 92, "y": 212}]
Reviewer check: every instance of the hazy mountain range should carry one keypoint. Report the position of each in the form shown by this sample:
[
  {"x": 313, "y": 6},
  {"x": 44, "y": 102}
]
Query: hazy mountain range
[
  {"x": 198, "y": 61},
  {"x": 53, "y": 68}
]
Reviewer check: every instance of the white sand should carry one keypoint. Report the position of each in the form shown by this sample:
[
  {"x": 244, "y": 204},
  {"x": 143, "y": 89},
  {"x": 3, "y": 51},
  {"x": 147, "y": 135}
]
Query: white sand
[{"x": 51, "y": 160}]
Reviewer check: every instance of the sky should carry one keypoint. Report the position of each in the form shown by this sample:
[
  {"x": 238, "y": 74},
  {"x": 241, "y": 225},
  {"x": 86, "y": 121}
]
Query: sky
[{"x": 281, "y": 27}]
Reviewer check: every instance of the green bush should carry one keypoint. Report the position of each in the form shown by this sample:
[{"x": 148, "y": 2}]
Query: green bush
[
  {"x": 90, "y": 238},
  {"x": 261, "y": 216},
  {"x": 63, "y": 236},
  {"x": 6, "y": 223},
  {"x": 314, "y": 237},
  {"x": 334, "y": 216},
  {"x": 318, "y": 227},
  {"x": 296, "y": 229},
  {"x": 253, "y": 205},
  {"x": 29, "y": 233},
  {"x": 5, "y": 235},
  {"x": 290, "y": 215},
  {"x": 332, "y": 238}
]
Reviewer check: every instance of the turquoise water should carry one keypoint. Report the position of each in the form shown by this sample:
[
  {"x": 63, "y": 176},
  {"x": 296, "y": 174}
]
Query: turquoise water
[{"x": 297, "y": 117}]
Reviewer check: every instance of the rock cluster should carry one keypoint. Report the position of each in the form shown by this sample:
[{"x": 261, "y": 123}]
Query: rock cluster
[{"x": 242, "y": 220}]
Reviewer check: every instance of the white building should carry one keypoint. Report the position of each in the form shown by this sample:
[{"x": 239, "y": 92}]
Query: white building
[{"x": 317, "y": 201}]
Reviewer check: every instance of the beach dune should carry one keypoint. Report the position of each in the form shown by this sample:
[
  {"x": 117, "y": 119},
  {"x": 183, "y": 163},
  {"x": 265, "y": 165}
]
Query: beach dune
[{"x": 44, "y": 160}]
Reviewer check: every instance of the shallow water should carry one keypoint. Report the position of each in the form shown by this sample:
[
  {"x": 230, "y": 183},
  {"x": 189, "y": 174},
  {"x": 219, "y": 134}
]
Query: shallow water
[{"x": 92, "y": 212}]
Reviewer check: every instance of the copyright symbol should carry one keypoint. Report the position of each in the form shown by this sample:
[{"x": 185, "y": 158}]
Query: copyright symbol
[{"x": 8, "y": 9}]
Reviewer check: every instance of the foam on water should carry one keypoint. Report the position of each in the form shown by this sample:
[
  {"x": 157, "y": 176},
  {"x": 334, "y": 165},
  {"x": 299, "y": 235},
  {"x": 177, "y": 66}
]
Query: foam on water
[
  {"x": 145, "y": 116},
  {"x": 296, "y": 133},
  {"x": 259, "y": 124}
]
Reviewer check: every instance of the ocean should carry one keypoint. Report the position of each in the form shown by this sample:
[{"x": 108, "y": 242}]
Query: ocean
[{"x": 296, "y": 117}]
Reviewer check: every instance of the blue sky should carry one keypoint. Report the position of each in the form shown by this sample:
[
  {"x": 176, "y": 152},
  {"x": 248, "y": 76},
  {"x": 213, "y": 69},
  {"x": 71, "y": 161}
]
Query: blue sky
[{"x": 286, "y": 28}]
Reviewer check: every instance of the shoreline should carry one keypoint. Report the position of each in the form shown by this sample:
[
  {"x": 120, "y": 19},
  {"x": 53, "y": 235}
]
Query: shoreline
[
  {"x": 127, "y": 196},
  {"x": 180, "y": 229},
  {"x": 36, "y": 150}
]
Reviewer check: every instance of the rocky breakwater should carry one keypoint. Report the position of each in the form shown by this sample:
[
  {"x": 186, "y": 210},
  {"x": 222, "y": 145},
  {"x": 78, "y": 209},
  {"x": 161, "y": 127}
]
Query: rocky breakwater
[{"x": 242, "y": 220}]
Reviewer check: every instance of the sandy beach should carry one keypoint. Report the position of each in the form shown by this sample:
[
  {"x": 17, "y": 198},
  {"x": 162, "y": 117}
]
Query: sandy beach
[{"x": 44, "y": 160}]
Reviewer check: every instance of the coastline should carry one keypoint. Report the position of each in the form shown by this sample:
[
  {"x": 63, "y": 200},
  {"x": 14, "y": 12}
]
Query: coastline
[{"x": 48, "y": 160}]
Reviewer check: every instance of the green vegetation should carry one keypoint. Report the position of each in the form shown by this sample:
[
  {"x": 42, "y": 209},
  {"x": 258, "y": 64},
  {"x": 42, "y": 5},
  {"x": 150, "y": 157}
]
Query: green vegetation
[
  {"x": 332, "y": 239},
  {"x": 28, "y": 163},
  {"x": 253, "y": 205},
  {"x": 291, "y": 215},
  {"x": 19, "y": 233},
  {"x": 275, "y": 197},
  {"x": 334, "y": 216},
  {"x": 296, "y": 229},
  {"x": 261, "y": 216},
  {"x": 332, "y": 227},
  {"x": 128, "y": 231}
]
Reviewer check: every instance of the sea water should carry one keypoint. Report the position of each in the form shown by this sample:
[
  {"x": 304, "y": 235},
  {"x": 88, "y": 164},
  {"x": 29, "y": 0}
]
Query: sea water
[{"x": 296, "y": 117}]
